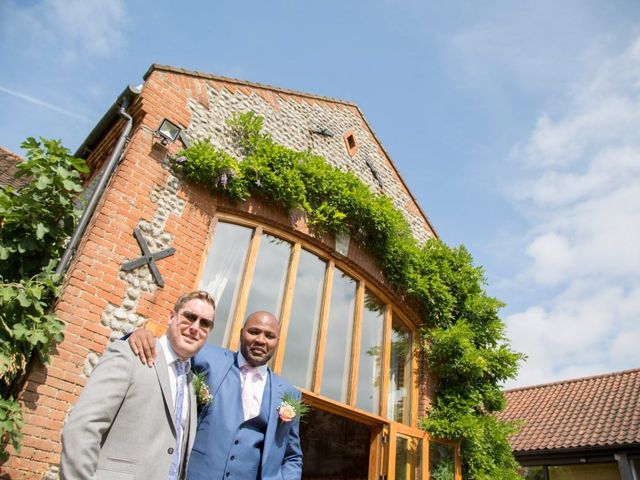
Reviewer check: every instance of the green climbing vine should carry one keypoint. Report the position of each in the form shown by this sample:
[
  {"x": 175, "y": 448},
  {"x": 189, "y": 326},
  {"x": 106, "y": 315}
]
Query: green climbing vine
[
  {"x": 464, "y": 341},
  {"x": 35, "y": 222}
]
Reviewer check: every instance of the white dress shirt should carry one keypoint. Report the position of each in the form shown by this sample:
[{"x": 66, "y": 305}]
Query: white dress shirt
[{"x": 259, "y": 381}]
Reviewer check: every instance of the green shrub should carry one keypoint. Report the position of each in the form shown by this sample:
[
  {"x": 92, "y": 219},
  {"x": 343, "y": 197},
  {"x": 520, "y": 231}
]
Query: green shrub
[{"x": 35, "y": 222}]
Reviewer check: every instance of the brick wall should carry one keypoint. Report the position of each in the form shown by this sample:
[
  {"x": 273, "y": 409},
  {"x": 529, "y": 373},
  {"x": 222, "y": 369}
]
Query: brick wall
[{"x": 100, "y": 302}]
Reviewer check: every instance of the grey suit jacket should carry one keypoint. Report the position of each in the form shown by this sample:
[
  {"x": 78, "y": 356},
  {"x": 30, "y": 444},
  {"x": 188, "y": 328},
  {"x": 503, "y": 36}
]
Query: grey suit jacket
[{"x": 122, "y": 426}]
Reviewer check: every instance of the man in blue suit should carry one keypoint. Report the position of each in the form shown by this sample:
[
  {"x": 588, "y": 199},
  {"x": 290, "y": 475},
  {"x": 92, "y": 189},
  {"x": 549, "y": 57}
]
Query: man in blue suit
[{"x": 243, "y": 433}]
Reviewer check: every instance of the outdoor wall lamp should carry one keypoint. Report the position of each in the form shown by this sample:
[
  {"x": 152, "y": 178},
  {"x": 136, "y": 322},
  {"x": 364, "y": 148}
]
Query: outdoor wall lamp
[{"x": 168, "y": 132}]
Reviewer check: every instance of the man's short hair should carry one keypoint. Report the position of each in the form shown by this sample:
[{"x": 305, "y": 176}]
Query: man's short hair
[{"x": 199, "y": 294}]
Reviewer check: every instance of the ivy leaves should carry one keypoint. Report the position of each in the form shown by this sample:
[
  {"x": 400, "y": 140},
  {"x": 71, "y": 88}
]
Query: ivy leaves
[
  {"x": 11, "y": 423},
  {"x": 468, "y": 352},
  {"x": 26, "y": 325},
  {"x": 35, "y": 222},
  {"x": 38, "y": 216}
]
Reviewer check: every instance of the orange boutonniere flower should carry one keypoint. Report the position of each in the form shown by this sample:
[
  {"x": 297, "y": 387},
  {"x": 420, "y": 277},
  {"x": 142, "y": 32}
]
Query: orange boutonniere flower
[{"x": 290, "y": 407}]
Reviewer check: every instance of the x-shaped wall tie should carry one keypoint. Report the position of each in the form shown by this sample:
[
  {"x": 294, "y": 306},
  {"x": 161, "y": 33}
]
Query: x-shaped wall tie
[{"x": 148, "y": 258}]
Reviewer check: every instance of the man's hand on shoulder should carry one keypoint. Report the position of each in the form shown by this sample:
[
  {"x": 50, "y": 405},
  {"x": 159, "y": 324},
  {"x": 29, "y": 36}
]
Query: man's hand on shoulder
[{"x": 143, "y": 344}]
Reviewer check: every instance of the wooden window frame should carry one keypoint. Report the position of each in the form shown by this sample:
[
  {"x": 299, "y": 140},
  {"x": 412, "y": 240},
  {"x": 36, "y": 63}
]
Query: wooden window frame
[
  {"x": 259, "y": 229},
  {"x": 457, "y": 464},
  {"x": 381, "y": 452}
]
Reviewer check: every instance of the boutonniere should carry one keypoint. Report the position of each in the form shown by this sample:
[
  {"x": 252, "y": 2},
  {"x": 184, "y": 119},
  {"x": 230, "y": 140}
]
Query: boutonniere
[
  {"x": 203, "y": 395},
  {"x": 290, "y": 407}
]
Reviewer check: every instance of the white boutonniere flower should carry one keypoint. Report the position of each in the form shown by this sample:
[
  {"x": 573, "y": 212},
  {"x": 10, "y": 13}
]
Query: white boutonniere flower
[{"x": 203, "y": 395}]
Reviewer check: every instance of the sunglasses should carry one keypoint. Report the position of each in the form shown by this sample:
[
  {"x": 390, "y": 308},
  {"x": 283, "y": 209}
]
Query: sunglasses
[{"x": 205, "y": 323}]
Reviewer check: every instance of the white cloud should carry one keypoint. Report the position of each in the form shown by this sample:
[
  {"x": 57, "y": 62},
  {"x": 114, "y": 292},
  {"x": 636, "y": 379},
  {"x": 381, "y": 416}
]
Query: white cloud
[
  {"x": 551, "y": 255},
  {"x": 583, "y": 189},
  {"x": 73, "y": 28},
  {"x": 586, "y": 331}
]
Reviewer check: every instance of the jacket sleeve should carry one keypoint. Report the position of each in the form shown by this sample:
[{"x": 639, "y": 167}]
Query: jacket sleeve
[
  {"x": 292, "y": 461},
  {"x": 94, "y": 413}
]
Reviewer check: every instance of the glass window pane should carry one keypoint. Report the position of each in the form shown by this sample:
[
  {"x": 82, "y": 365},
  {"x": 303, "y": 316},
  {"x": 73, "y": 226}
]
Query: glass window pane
[
  {"x": 532, "y": 473},
  {"x": 368, "y": 396},
  {"x": 595, "y": 471},
  {"x": 337, "y": 352},
  {"x": 441, "y": 461},
  {"x": 300, "y": 350},
  {"x": 222, "y": 275},
  {"x": 399, "y": 401},
  {"x": 270, "y": 276},
  {"x": 335, "y": 447},
  {"x": 408, "y": 458}
]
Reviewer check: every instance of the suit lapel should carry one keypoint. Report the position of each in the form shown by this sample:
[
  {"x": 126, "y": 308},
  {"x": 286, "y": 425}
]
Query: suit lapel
[
  {"x": 277, "y": 392},
  {"x": 217, "y": 376},
  {"x": 193, "y": 414},
  {"x": 162, "y": 372}
]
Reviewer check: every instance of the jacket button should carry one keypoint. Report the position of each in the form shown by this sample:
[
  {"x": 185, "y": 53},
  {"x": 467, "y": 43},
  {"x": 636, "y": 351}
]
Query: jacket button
[
  {"x": 170, "y": 451},
  {"x": 233, "y": 457},
  {"x": 227, "y": 474},
  {"x": 236, "y": 442}
]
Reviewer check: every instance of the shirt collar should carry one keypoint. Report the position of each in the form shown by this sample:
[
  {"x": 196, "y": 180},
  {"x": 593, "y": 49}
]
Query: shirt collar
[
  {"x": 169, "y": 354},
  {"x": 262, "y": 369}
]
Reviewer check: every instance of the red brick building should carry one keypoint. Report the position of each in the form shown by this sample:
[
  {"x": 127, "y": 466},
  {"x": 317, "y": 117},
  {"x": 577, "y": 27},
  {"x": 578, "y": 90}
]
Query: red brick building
[{"x": 334, "y": 305}]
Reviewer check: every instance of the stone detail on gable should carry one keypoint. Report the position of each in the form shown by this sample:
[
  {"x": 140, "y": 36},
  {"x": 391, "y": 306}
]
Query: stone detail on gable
[{"x": 290, "y": 122}]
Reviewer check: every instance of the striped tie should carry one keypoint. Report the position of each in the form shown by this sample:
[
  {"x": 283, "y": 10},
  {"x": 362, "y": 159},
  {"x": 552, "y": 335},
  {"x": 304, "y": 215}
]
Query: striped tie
[{"x": 181, "y": 378}]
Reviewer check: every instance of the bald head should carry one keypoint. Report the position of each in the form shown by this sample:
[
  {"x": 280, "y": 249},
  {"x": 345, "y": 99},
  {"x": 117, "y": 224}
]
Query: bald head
[{"x": 259, "y": 338}]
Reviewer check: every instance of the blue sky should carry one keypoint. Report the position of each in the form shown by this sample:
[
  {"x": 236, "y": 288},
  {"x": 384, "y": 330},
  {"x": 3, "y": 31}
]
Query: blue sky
[{"x": 515, "y": 124}]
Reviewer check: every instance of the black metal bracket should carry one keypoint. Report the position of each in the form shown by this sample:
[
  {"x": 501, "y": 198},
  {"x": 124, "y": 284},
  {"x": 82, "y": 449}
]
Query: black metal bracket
[
  {"x": 148, "y": 258},
  {"x": 374, "y": 172}
]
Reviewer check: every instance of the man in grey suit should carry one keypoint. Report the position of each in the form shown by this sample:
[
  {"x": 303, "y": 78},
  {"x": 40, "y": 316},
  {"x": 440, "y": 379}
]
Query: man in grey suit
[
  {"x": 133, "y": 422},
  {"x": 245, "y": 432}
]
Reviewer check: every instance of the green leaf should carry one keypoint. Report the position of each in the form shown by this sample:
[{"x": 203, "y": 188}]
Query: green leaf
[
  {"x": 63, "y": 172},
  {"x": 7, "y": 293},
  {"x": 79, "y": 164},
  {"x": 20, "y": 332},
  {"x": 41, "y": 230},
  {"x": 69, "y": 185},
  {"x": 38, "y": 337},
  {"x": 43, "y": 182}
]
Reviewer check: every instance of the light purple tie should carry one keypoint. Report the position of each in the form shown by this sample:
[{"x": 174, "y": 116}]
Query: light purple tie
[
  {"x": 249, "y": 373},
  {"x": 181, "y": 378}
]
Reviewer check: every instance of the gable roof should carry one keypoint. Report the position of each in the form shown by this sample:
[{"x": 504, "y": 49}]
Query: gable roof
[
  {"x": 8, "y": 161},
  {"x": 308, "y": 98},
  {"x": 594, "y": 411}
]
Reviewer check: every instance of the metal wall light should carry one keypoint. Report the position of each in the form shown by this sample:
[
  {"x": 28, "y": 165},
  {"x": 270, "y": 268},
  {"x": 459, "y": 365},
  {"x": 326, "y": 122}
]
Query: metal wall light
[{"x": 168, "y": 132}]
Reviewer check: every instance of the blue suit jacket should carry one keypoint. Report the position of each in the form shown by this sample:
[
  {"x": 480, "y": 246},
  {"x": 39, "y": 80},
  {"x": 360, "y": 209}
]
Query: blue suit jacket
[{"x": 281, "y": 453}]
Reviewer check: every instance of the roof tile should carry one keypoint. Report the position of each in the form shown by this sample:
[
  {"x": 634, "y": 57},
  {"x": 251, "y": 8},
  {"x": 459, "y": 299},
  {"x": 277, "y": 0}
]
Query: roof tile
[
  {"x": 584, "y": 412},
  {"x": 8, "y": 161}
]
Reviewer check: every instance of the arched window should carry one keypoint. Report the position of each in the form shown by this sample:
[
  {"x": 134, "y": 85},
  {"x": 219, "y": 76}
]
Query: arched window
[
  {"x": 343, "y": 342},
  {"x": 333, "y": 336}
]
